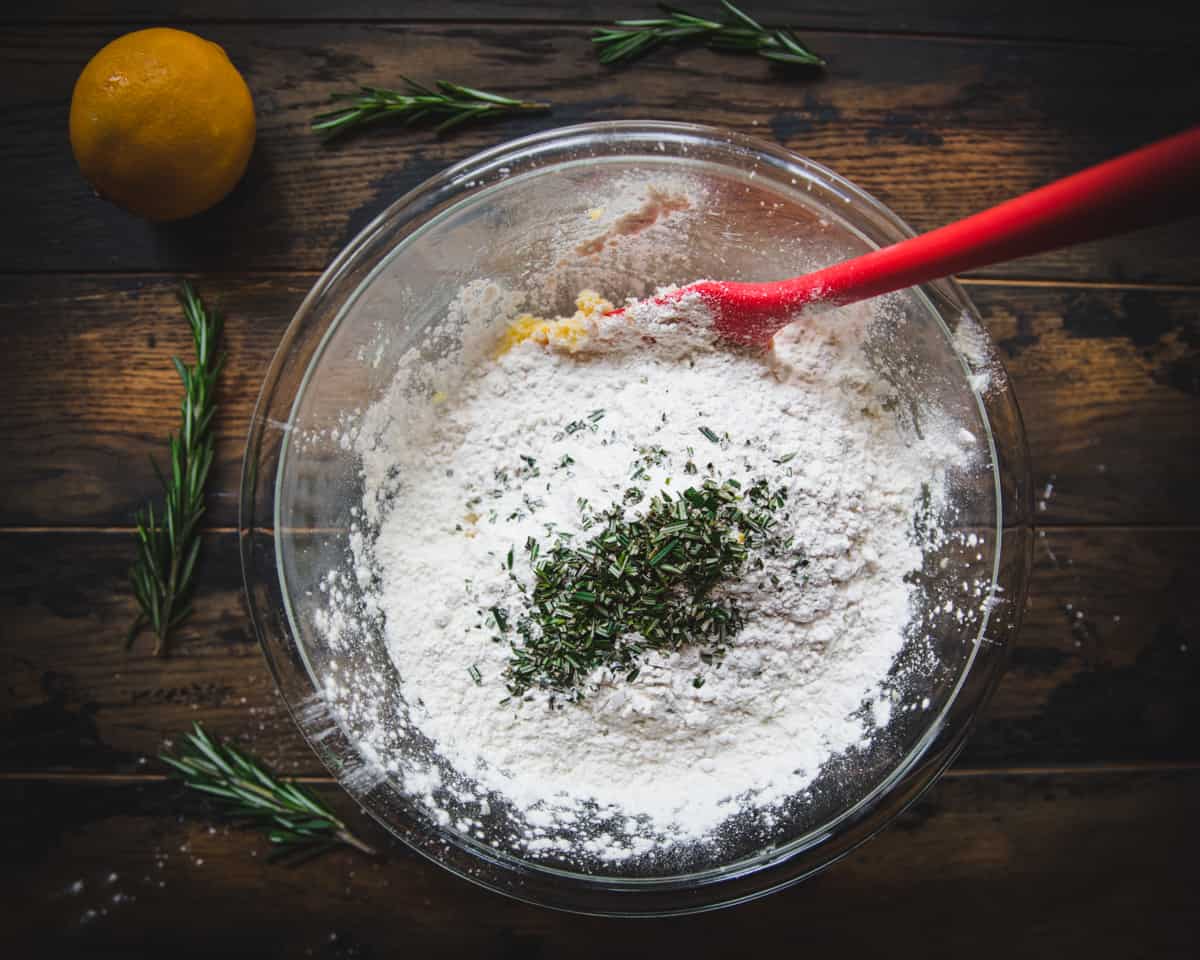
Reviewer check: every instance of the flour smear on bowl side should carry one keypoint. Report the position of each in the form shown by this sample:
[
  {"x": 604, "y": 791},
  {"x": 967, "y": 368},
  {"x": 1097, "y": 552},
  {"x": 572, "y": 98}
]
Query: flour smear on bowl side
[{"x": 491, "y": 478}]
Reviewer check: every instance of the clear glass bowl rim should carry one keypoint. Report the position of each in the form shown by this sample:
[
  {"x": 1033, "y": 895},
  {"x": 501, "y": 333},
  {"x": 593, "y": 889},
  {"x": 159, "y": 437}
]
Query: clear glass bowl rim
[{"x": 574, "y": 892}]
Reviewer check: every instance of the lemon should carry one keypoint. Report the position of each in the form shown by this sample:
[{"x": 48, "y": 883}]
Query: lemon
[{"x": 162, "y": 124}]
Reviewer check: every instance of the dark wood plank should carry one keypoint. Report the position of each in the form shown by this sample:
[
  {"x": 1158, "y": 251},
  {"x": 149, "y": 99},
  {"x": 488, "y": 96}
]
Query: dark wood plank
[
  {"x": 85, "y": 439},
  {"x": 1108, "y": 380},
  {"x": 1071, "y": 19},
  {"x": 1108, "y": 659},
  {"x": 68, "y": 676},
  {"x": 938, "y": 128},
  {"x": 1105, "y": 668},
  {"x": 1109, "y": 387},
  {"x": 1032, "y": 866}
]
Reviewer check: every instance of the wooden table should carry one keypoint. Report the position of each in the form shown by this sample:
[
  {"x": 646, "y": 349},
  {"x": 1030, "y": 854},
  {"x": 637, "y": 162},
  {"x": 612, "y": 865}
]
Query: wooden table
[{"x": 1068, "y": 824}]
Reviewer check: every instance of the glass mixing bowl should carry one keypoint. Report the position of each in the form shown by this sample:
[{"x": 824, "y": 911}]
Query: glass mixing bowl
[{"x": 549, "y": 215}]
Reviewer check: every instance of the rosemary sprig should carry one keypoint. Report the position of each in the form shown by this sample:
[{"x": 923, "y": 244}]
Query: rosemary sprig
[
  {"x": 639, "y": 585},
  {"x": 296, "y": 822},
  {"x": 628, "y": 39},
  {"x": 169, "y": 542},
  {"x": 416, "y": 103}
]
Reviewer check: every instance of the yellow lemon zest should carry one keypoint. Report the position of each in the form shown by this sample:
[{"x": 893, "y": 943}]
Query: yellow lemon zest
[
  {"x": 590, "y": 303},
  {"x": 564, "y": 333}
]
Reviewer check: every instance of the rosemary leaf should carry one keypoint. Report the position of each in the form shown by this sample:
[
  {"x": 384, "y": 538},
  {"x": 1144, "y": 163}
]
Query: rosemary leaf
[
  {"x": 296, "y": 822},
  {"x": 168, "y": 542},
  {"x": 738, "y": 32},
  {"x": 450, "y": 104},
  {"x": 639, "y": 585}
]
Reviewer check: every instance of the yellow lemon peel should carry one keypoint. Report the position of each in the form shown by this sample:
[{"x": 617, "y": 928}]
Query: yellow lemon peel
[{"x": 161, "y": 123}]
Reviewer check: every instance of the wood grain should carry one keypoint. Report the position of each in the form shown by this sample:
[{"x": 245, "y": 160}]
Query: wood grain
[
  {"x": 1067, "y": 827},
  {"x": 1108, "y": 381},
  {"x": 936, "y": 127},
  {"x": 1074, "y": 20},
  {"x": 1030, "y": 866},
  {"x": 1109, "y": 387},
  {"x": 1104, "y": 671},
  {"x": 96, "y": 394}
]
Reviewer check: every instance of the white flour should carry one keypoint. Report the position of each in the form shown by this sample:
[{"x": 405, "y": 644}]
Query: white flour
[{"x": 501, "y": 448}]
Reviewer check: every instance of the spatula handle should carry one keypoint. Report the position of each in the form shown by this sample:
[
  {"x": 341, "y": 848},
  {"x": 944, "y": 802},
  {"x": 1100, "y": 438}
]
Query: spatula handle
[{"x": 1150, "y": 186}]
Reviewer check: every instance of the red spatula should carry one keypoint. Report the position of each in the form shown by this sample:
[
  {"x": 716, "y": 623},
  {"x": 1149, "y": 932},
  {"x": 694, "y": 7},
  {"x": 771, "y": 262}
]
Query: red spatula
[{"x": 1149, "y": 186}]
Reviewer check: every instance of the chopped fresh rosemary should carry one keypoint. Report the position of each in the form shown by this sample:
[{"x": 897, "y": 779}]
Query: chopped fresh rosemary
[
  {"x": 637, "y": 586},
  {"x": 647, "y": 457},
  {"x": 710, "y": 435},
  {"x": 591, "y": 423}
]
